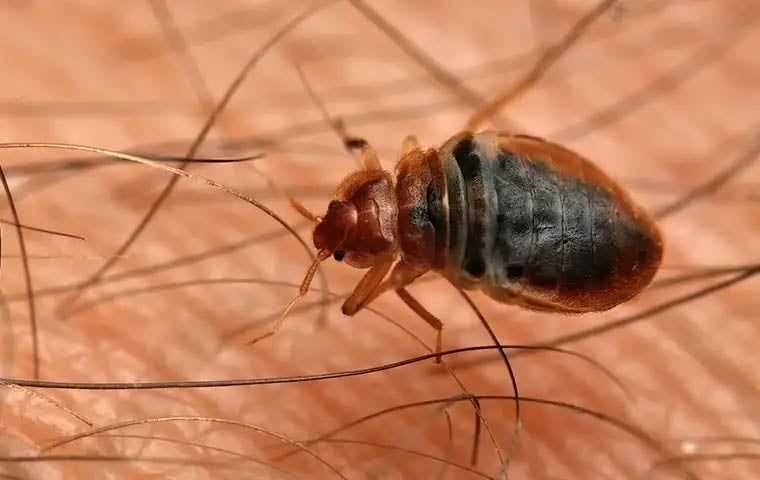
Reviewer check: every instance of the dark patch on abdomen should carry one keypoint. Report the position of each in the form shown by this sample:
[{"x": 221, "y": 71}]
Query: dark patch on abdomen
[
  {"x": 578, "y": 253},
  {"x": 544, "y": 268},
  {"x": 514, "y": 219},
  {"x": 555, "y": 234},
  {"x": 605, "y": 221}
]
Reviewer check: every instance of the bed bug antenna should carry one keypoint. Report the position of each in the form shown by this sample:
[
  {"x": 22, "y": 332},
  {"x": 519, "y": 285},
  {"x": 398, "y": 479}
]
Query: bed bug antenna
[{"x": 322, "y": 255}]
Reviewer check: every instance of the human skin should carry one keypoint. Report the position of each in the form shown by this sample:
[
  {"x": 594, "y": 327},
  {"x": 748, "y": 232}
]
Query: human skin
[{"x": 89, "y": 73}]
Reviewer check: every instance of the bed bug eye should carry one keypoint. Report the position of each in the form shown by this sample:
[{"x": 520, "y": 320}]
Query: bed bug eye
[{"x": 338, "y": 255}]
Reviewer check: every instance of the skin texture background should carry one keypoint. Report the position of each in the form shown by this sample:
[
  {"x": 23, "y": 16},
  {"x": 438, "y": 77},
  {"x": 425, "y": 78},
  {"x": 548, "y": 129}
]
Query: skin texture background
[{"x": 660, "y": 94}]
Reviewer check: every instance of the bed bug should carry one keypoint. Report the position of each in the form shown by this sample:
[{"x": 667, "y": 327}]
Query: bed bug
[{"x": 527, "y": 221}]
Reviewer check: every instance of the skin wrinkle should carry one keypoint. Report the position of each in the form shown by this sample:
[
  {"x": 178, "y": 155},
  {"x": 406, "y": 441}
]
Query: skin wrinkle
[{"x": 689, "y": 369}]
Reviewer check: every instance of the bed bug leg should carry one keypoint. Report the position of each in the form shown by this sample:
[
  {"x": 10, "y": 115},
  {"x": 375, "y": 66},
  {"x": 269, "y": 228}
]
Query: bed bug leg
[
  {"x": 409, "y": 144},
  {"x": 401, "y": 276},
  {"x": 297, "y": 206},
  {"x": 431, "y": 319},
  {"x": 367, "y": 155},
  {"x": 404, "y": 274},
  {"x": 367, "y": 288}
]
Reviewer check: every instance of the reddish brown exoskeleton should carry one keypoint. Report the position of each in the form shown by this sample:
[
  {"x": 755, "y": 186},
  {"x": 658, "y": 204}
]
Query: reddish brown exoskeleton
[{"x": 525, "y": 220}]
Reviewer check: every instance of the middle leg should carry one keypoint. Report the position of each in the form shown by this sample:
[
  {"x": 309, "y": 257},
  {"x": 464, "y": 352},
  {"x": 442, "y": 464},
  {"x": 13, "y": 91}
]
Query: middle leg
[
  {"x": 431, "y": 319},
  {"x": 402, "y": 275}
]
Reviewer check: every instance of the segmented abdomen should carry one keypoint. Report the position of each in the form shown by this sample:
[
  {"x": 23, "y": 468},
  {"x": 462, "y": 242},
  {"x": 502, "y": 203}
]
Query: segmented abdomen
[{"x": 535, "y": 224}]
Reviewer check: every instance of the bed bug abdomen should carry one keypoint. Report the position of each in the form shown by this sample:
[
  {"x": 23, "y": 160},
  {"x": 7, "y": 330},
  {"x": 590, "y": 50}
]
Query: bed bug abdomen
[{"x": 547, "y": 229}]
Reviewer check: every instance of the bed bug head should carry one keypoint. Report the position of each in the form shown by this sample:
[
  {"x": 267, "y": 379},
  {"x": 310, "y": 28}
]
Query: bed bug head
[
  {"x": 360, "y": 223},
  {"x": 336, "y": 226}
]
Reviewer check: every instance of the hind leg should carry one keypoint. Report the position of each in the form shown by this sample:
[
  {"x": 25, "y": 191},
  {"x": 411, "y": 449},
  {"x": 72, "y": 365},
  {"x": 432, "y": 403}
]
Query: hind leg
[{"x": 423, "y": 313}]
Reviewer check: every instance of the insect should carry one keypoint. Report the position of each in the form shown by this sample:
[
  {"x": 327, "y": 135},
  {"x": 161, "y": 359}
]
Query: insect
[{"x": 527, "y": 221}]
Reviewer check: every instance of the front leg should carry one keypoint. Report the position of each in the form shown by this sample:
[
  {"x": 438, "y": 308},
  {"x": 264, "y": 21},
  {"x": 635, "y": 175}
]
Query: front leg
[
  {"x": 366, "y": 154},
  {"x": 368, "y": 287},
  {"x": 402, "y": 275}
]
